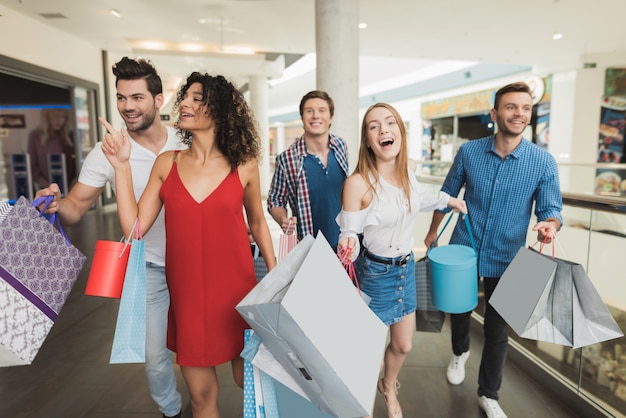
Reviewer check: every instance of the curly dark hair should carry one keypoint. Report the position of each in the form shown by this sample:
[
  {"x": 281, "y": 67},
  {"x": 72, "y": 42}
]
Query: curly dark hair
[
  {"x": 135, "y": 69},
  {"x": 236, "y": 133}
]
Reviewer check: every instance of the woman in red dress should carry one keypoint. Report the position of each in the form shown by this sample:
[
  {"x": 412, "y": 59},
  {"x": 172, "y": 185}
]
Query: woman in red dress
[{"x": 204, "y": 190}]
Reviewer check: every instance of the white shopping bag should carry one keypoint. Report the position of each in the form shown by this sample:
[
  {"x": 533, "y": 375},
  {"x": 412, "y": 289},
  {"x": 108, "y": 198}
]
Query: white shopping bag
[{"x": 312, "y": 320}]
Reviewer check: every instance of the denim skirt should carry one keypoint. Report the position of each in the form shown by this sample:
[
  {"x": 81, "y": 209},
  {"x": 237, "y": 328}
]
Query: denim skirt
[{"x": 391, "y": 287}]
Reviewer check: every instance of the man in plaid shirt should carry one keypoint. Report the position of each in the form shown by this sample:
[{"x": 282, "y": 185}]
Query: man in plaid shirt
[{"x": 309, "y": 175}]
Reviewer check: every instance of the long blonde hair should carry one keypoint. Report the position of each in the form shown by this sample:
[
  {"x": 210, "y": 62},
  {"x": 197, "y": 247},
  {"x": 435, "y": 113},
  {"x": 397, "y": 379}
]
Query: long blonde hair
[
  {"x": 367, "y": 158},
  {"x": 48, "y": 130}
]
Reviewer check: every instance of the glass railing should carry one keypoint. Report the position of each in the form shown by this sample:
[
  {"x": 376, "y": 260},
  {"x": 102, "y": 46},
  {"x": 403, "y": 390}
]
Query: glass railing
[{"x": 593, "y": 235}]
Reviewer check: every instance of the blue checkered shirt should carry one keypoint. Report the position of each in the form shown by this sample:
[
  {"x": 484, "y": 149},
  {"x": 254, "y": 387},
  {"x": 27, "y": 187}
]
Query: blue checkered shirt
[
  {"x": 289, "y": 184},
  {"x": 500, "y": 194}
]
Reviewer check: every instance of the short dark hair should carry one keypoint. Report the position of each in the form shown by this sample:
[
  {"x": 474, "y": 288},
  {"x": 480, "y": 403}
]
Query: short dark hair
[
  {"x": 318, "y": 94},
  {"x": 518, "y": 87},
  {"x": 134, "y": 69}
]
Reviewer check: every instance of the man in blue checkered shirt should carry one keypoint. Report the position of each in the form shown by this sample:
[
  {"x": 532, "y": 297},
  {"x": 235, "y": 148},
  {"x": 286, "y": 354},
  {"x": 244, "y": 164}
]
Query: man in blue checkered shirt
[
  {"x": 310, "y": 174},
  {"x": 504, "y": 175}
]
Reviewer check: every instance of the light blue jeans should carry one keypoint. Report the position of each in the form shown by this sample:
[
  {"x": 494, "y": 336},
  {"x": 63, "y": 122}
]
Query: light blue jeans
[{"x": 159, "y": 370}]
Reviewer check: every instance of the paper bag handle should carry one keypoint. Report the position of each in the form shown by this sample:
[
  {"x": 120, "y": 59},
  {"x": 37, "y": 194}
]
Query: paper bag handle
[
  {"x": 289, "y": 226},
  {"x": 136, "y": 228},
  {"x": 465, "y": 216},
  {"x": 53, "y": 218},
  {"x": 544, "y": 243},
  {"x": 349, "y": 266}
]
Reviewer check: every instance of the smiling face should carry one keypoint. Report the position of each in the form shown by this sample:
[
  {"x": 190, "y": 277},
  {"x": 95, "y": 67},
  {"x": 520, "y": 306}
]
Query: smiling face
[
  {"x": 513, "y": 114},
  {"x": 136, "y": 105},
  {"x": 192, "y": 111},
  {"x": 383, "y": 133},
  {"x": 316, "y": 117}
]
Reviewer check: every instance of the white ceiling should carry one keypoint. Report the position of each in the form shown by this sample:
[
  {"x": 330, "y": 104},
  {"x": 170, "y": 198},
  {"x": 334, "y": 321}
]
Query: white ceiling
[{"x": 402, "y": 36}]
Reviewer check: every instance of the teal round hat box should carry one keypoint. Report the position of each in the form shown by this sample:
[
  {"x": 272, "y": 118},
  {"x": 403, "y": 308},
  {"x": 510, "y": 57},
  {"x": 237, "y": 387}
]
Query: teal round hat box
[{"x": 454, "y": 275}]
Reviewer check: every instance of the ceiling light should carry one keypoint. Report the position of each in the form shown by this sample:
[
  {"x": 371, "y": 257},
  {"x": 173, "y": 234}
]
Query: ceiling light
[
  {"x": 140, "y": 46},
  {"x": 362, "y": 25},
  {"x": 115, "y": 13},
  {"x": 242, "y": 50},
  {"x": 557, "y": 35}
]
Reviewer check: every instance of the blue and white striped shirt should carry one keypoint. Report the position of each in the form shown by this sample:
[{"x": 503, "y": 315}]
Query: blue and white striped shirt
[{"x": 500, "y": 194}]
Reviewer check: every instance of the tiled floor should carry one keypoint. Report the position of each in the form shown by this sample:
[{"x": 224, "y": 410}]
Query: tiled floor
[{"x": 72, "y": 378}]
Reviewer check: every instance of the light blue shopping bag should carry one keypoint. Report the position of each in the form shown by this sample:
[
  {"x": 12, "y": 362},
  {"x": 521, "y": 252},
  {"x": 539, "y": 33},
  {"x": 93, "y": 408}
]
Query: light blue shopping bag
[
  {"x": 259, "y": 392},
  {"x": 129, "y": 342},
  {"x": 265, "y": 397}
]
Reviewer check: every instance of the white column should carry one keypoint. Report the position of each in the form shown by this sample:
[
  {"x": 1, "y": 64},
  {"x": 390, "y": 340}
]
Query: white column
[
  {"x": 280, "y": 138},
  {"x": 259, "y": 103},
  {"x": 337, "y": 50}
]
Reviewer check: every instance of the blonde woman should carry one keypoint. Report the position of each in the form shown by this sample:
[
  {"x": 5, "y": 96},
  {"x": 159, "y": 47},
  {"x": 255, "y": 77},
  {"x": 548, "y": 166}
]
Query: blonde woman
[
  {"x": 381, "y": 200},
  {"x": 54, "y": 136}
]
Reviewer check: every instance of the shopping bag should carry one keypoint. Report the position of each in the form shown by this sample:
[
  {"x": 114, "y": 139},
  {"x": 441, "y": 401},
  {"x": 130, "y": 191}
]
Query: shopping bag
[
  {"x": 280, "y": 395},
  {"x": 303, "y": 310},
  {"x": 260, "y": 268},
  {"x": 129, "y": 341},
  {"x": 108, "y": 268},
  {"x": 454, "y": 273},
  {"x": 427, "y": 317},
  {"x": 38, "y": 268},
  {"x": 259, "y": 392},
  {"x": 5, "y": 208},
  {"x": 348, "y": 265},
  {"x": 549, "y": 299},
  {"x": 286, "y": 242}
]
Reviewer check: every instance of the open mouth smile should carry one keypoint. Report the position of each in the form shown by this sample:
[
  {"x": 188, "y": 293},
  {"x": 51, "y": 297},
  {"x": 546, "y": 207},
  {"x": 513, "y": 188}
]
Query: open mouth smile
[{"x": 387, "y": 142}]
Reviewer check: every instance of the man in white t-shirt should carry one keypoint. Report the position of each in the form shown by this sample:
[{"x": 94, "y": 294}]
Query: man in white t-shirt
[{"x": 139, "y": 98}]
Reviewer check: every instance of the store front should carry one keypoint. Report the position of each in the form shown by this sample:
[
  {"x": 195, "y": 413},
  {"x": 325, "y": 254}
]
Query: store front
[
  {"x": 450, "y": 122},
  {"x": 48, "y": 124}
]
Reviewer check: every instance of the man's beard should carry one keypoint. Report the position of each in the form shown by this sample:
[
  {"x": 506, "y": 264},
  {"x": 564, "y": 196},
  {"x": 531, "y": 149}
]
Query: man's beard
[{"x": 146, "y": 122}]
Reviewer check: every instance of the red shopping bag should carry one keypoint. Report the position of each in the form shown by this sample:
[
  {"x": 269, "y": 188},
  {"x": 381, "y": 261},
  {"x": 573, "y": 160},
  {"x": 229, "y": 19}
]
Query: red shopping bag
[{"x": 108, "y": 268}]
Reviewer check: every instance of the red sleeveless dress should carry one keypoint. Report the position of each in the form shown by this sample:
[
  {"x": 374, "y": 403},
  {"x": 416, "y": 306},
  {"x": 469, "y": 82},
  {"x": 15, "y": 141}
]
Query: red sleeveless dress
[{"x": 209, "y": 269}]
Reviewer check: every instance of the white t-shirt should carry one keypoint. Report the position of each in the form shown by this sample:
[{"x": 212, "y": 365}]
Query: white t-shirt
[
  {"x": 387, "y": 224},
  {"x": 97, "y": 171}
]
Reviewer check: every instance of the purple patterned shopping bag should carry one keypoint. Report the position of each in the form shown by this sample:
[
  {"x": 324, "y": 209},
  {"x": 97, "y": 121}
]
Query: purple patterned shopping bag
[{"x": 38, "y": 267}]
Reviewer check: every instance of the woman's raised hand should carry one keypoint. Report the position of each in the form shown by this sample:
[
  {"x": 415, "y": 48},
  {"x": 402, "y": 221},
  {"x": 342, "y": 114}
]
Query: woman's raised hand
[{"x": 115, "y": 145}]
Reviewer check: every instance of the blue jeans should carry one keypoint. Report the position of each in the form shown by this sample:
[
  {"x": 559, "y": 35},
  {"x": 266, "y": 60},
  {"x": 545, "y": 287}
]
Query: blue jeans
[
  {"x": 496, "y": 342},
  {"x": 159, "y": 370}
]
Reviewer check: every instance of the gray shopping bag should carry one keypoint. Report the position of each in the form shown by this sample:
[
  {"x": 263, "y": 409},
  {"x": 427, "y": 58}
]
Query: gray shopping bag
[
  {"x": 309, "y": 316},
  {"x": 549, "y": 299}
]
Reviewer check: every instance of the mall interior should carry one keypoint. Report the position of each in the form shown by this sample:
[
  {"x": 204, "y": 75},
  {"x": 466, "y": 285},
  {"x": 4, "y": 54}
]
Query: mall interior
[{"x": 578, "y": 116}]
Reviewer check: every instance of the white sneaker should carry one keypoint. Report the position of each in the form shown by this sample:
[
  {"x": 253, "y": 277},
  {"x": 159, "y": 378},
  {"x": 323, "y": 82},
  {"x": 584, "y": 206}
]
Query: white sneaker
[
  {"x": 491, "y": 407},
  {"x": 456, "y": 368}
]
